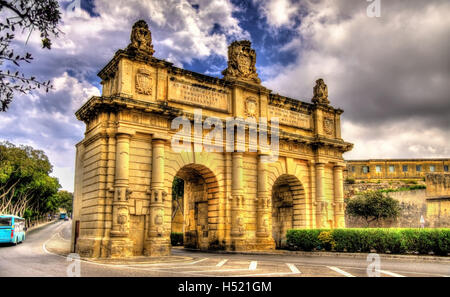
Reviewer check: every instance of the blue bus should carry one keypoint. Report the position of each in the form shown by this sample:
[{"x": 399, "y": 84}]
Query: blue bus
[{"x": 12, "y": 229}]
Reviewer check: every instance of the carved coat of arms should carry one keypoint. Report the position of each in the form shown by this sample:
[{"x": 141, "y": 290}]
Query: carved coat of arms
[
  {"x": 328, "y": 126},
  {"x": 251, "y": 108},
  {"x": 141, "y": 38},
  {"x": 241, "y": 62},
  {"x": 143, "y": 82}
]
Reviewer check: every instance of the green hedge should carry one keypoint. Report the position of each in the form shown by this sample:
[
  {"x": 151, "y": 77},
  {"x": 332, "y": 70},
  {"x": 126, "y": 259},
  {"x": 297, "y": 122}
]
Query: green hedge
[
  {"x": 176, "y": 238},
  {"x": 395, "y": 241}
]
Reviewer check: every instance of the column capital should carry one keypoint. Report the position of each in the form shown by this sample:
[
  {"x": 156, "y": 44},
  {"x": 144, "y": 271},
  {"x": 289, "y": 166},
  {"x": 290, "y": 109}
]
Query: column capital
[
  {"x": 339, "y": 165},
  {"x": 157, "y": 137},
  {"x": 320, "y": 164},
  {"x": 125, "y": 131},
  {"x": 262, "y": 153},
  {"x": 120, "y": 135}
]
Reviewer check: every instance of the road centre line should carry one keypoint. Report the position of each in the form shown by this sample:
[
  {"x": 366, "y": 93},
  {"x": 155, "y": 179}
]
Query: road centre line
[
  {"x": 340, "y": 271},
  {"x": 293, "y": 268},
  {"x": 221, "y": 263},
  {"x": 390, "y": 273},
  {"x": 253, "y": 265}
]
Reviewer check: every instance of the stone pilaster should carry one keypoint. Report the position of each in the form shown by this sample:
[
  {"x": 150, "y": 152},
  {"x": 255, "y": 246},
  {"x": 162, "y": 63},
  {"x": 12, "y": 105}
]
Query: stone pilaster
[
  {"x": 339, "y": 207},
  {"x": 157, "y": 242},
  {"x": 237, "y": 202},
  {"x": 264, "y": 237},
  {"x": 321, "y": 204},
  {"x": 120, "y": 244}
]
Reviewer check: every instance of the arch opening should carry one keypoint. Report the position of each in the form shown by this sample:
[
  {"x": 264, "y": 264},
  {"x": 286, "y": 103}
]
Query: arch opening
[
  {"x": 288, "y": 207},
  {"x": 192, "y": 210}
]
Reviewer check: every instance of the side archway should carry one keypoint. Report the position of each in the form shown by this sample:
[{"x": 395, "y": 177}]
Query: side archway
[
  {"x": 288, "y": 207},
  {"x": 200, "y": 198}
]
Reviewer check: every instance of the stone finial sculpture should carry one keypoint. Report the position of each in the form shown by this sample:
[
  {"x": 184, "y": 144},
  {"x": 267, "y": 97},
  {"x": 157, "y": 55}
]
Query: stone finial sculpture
[
  {"x": 320, "y": 93},
  {"x": 141, "y": 39},
  {"x": 241, "y": 62}
]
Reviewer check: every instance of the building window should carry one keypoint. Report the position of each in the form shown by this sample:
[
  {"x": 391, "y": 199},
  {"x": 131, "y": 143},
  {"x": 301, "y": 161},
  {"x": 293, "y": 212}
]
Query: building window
[
  {"x": 432, "y": 168},
  {"x": 378, "y": 168},
  {"x": 418, "y": 168},
  {"x": 353, "y": 168},
  {"x": 365, "y": 169},
  {"x": 446, "y": 168},
  {"x": 405, "y": 168},
  {"x": 391, "y": 168}
]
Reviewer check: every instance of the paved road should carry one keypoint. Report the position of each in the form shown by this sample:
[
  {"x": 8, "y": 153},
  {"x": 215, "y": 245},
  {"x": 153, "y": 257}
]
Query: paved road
[{"x": 31, "y": 258}]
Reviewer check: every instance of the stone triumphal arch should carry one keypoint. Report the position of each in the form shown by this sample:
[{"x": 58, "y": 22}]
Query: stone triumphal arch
[{"x": 243, "y": 199}]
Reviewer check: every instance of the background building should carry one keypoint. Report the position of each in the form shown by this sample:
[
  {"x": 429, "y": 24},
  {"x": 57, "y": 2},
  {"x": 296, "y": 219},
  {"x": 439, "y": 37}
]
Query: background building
[{"x": 392, "y": 169}]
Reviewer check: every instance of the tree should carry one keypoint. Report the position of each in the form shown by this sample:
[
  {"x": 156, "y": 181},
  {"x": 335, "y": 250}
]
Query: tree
[
  {"x": 64, "y": 200},
  {"x": 177, "y": 196},
  {"x": 23, "y": 15},
  {"x": 373, "y": 206},
  {"x": 25, "y": 184}
]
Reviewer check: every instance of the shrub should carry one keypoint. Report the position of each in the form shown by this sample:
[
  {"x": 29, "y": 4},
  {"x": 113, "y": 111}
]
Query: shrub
[
  {"x": 327, "y": 241},
  {"x": 176, "y": 238},
  {"x": 395, "y": 241},
  {"x": 304, "y": 240},
  {"x": 442, "y": 247},
  {"x": 350, "y": 181}
]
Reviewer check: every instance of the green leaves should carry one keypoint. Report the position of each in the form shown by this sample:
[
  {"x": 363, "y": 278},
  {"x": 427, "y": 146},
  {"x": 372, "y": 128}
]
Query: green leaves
[
  {"x": 25, "y": 181},
  {"x": 373, "y": 206},
  {"x": 31, "y": 15},
  {"x": 394, "y": 241}
]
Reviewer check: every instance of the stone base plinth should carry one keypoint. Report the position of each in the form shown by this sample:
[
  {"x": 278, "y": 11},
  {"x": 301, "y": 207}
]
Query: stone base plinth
[
  {"x": 239, "y": 244},
  {"x": 88, "y": 247},
  {"x": 264, "y": 244},
  {"x": 120, "y": 248},
  {"x": 157, "y": 248}
]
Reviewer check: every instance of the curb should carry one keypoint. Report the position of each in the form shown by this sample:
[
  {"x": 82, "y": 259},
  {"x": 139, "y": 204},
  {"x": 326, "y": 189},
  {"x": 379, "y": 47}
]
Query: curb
[
  {"x": 124, "y": 262},
  {"x": 40, "y": 226},
  {"x": 330, "y": 254}
]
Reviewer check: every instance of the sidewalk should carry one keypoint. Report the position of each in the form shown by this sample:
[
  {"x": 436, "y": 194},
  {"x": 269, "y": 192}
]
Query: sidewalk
[
  {"x": 41, "y": 225},
  {"x": 58, "y": 245},
  {"x": 61, "y": 246}
]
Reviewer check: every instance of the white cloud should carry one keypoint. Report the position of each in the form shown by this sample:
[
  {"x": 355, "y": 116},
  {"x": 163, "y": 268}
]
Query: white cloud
[
  {"x": 409, "y": 139},
  {"x": 278, "y": 13},
  {"x": 180, "y": 33},
  {"x": 47, "y": 122},
  {"x": 389, "y": 74}
]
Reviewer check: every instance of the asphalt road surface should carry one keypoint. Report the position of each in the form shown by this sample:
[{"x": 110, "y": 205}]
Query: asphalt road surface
[{"x": 32, "y": 258}]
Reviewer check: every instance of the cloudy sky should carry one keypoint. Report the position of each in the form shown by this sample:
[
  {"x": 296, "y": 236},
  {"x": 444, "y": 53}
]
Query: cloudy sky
[{"x": 391, "y": 74}]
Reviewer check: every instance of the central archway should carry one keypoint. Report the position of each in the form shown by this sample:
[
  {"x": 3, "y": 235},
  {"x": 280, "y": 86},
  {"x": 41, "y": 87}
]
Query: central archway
[
  {"x": 288, "y": 207},
  {"x": 199, "y": 197}
]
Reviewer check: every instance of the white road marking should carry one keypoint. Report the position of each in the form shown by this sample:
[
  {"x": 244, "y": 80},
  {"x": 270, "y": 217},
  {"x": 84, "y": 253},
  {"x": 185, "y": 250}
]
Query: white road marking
[
  {"x": 293, "y": 268},
  {"x": 253, "y": 265},
  {"x": 177, "y": 264},
  {"x": 217, "y": 270},
  {"x": 390, "y": 273},
  {"x": 184, "y": 264},
  {"x": 221, "y": 263},
  {"x": 341, "y": 271},
  {"x": 266, "y": 274},
  {"x": 204, "y": 259}
]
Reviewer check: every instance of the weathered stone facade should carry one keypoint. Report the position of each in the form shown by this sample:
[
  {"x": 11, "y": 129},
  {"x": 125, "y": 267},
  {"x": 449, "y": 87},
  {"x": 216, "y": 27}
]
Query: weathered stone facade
[
  {"x": 432, "y": 203},
  {"x": 391, "y": 169},
  {"x": 126, "y": 164},
  {"x": 438, "y": 200}
]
